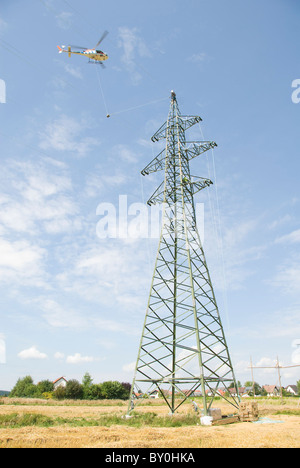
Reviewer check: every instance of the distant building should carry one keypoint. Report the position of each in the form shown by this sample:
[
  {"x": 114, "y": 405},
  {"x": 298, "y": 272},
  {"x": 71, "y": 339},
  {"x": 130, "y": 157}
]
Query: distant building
[
  {"x": 272, "y": 390},
  {"x": 61, "y": 382},
  {"x": 292, "y": 389},
  {"x": 243, "y": 391},
  {"x": 154, "y": 394}
]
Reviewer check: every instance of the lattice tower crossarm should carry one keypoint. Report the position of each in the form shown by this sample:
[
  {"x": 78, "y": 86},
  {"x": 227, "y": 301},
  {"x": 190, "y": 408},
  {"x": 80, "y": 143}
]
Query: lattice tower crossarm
[{"x": 183, "y": 347}]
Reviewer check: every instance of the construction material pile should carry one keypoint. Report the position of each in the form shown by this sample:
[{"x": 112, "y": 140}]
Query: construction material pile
[{"x": 248, "y": 411}]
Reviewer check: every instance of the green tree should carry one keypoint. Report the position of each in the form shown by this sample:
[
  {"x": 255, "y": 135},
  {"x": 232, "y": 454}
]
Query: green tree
[
  {"x": 59, "y": 393},
  {"x": 232, "y": 385},
  {"x": 113, "y": 390},
  {"x": 45, "y": 386},
  {"x": 87, "y": 383},
  {"x": 257, "y": 388},
  {"x": 74, "y": 390},
  {"x": 95, "y": 392},
  {"x": 127, "y": 386},
  {"x": 263, "y": 392},
  {"x": 298, "y": 387},
  {"x": 25, "y": 388}
]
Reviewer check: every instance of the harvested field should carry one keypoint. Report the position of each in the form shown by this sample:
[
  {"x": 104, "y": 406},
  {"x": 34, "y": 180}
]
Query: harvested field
[{"x": 29, "y": 424}]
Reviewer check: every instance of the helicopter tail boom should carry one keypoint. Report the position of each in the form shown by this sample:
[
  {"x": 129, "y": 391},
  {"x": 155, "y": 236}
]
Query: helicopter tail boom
[{"x": 62, "y": 49}]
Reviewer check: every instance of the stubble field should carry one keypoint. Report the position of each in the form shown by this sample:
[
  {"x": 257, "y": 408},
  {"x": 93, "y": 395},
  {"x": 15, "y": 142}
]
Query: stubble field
[{"x": 101, "y": 424}]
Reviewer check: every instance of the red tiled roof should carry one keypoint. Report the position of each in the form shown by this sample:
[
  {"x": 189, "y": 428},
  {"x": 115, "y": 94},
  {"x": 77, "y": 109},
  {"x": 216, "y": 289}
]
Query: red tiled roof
[
  {"x": 270, "y": 388},
  {"x": 60, "y": 378}
]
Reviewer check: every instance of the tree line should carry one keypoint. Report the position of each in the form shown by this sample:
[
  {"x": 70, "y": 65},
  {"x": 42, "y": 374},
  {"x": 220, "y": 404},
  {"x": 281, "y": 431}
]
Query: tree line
[{"x": 74, "y": 390}]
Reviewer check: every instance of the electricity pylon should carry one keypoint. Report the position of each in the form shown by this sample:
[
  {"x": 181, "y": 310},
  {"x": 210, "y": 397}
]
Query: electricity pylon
[{"x": 183, "y": 346}]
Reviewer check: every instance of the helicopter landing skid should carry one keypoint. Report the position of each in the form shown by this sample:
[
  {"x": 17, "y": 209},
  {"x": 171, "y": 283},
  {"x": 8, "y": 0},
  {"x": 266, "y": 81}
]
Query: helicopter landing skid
[{"x": 95, "y": 62}]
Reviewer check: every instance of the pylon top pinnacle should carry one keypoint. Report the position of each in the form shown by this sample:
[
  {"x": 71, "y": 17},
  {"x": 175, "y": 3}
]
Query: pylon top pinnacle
[{"x": 173, "y": 95}]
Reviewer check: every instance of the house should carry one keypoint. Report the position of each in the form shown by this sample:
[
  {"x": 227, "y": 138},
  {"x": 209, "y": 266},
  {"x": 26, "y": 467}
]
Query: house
[
  {"x": 272, "y": 390},
  {"x": 242, "y": 391},
  {"x": 192, "y": 393},
  {"x": 154, "y": 394},
  {"x": 61, "y": 382},
  {"x": 167, "y": 393},
  {"x": 292, "y": 389}
]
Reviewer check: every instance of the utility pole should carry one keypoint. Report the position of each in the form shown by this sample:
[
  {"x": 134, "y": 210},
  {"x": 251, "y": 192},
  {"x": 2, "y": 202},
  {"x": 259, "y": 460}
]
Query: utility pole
[
  {"x": 278, "y": 367},
  {"x": 253, "y": 385},
  {"x": 183, "y": 347}
]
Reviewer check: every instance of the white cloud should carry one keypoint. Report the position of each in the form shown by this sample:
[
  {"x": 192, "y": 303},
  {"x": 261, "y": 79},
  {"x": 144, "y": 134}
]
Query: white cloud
[
  {"x": 266, "y": 362},
  {"x": 283, "y": 220},
  {"x": 129, "y": 367},
  {"x": 36, "y": 194},
  {"x": 3, "y": 25},
  {"x": 21, "y": 262},
  {"x": 74, "y": 71},
  {"x": 68, "y": 134},
  {"x": 36, "y": 199},
  {"x": 284, "y": 323},
  {"x": 124, "y": 153},
  {"x": 109, "y": 274},
  {"x": 296, "y": 352},
  {"x": 133, "y": 47},
  {"x": 64, "y": 20},
  {"x": 59, "y": 355},
  {"x": 78, "y": 359},
  {"x": 102, "y": 273},
  {"x": 32, "y": 353},
  {"x": 292, "y": 238},
  {"x": 61, "y": 317},
  {"x": 99, "y": 182},
  {"x": 287, "y": 280},
  {"x": 264, "y": 366},
  {"x": 115, "y": 326},
  {"x": 232, "y": 252},
  {"x": 18, "y": 256},
  {"x": 197, "y": 58}
]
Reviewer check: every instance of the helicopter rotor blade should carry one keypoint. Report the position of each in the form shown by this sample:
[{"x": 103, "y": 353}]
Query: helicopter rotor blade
[
  {"x": 78, "y": 47},
  {"x": 101, "y": 38}
]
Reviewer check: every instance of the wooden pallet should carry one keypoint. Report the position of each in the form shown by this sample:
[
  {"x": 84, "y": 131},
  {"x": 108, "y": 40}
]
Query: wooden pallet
[{"x": 226, "y": 420}]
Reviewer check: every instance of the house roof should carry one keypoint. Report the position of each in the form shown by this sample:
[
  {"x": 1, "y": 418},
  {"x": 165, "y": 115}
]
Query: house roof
[
  {"x": 293, "y": 387},
  {"x": 270, "y": 388},
  {"x": 242, "y": 390},
  {"x": 60, "y": 378}
]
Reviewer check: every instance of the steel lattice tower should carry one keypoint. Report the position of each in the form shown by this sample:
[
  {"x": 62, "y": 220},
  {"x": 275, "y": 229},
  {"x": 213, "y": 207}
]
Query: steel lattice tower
[{"x": 183, "y": 346}]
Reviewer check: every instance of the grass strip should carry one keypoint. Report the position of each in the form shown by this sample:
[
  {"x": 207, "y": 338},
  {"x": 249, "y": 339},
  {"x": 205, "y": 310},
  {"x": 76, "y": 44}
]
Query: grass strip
[
  {"x": 15, "y": 420},
  {"x": 288, "y": 412}
]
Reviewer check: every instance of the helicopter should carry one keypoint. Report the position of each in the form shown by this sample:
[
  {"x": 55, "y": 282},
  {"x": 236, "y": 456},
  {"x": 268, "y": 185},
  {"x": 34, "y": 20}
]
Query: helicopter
[{"x": 94, "y": 55}]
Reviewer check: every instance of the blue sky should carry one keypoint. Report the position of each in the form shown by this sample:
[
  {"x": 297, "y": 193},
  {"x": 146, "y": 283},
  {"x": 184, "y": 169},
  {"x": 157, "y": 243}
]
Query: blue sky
[{"x": 73, "y": 302}]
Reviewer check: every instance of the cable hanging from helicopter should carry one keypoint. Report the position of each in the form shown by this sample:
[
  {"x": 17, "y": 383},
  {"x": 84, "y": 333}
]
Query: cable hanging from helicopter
[{"x": 95, "y": 56}]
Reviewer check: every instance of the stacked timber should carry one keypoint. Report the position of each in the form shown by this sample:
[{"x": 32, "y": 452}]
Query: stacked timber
[{"x": 248, "y": 411}]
